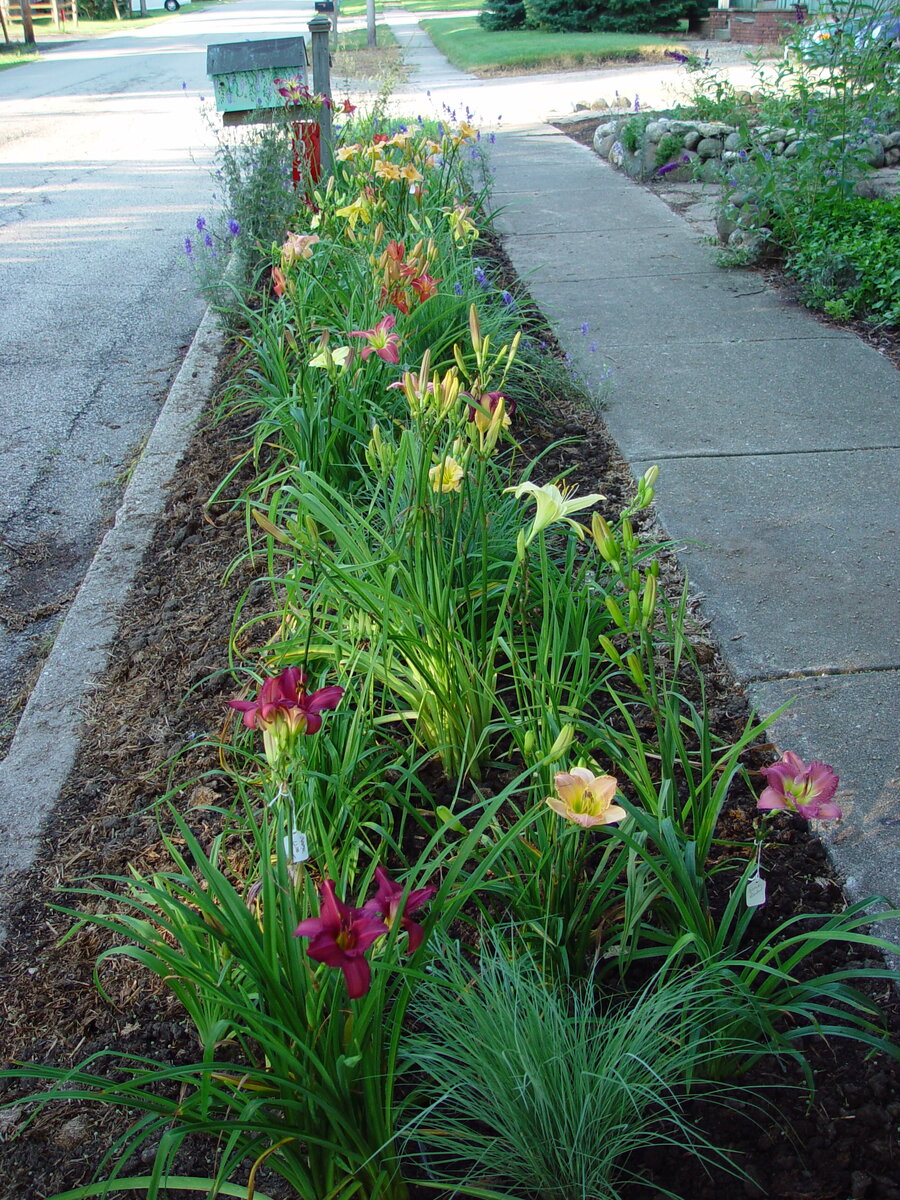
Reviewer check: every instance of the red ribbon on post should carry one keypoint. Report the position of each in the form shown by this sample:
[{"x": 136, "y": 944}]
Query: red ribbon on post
[{"x": 306, "y": 145}]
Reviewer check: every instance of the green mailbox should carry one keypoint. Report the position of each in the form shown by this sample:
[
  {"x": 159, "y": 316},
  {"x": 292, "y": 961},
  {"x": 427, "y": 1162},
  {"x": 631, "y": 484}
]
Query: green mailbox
[{"x": 244, "y": 74}]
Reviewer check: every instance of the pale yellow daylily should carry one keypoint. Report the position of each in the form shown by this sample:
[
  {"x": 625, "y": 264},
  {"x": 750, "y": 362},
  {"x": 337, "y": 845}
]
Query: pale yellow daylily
[
  {"x": 553, "y": 505},
  {"x": 586, "y": 798},
  {"x": 338, "y": 357},
  {"x": 447, "y": 476}
]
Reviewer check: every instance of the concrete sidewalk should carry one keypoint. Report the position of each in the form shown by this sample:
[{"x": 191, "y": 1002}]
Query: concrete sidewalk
[{"x": 776, "y": 436}]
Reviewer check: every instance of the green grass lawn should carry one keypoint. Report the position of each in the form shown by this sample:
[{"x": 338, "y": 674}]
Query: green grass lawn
[
  {"x": 15, "y": 55},
  {"x": 357, "y": 8},
  {"x": 472, "y": 48}
]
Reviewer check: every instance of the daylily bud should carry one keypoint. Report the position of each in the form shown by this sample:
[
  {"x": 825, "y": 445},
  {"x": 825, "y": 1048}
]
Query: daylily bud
[
  {"x": 648, "y": 604},
  {"x": 528, "y": 743},
  {"x": 562, "y": 743},
  {"x": 636, "y": 671},
  {"x": 475, "y": 329},
  {"x": 634, "y": 608},
  {"x": 615, "y": 612},
  {"x": 610, "y": 651},
  {"x": 604, "y": 539}
]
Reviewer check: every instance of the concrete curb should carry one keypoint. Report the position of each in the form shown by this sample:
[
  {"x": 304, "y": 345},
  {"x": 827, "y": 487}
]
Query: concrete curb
[{"x": 48, "y": 737}]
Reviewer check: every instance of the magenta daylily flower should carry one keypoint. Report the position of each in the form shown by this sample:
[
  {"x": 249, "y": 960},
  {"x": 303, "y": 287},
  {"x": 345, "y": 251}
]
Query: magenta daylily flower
[
  {"x": 283, "y": 698},
  {"x": 388, "y": 902},
  {"x": 340, "y": 936},
  {"x": 381, "y": 341},
  {"x": 796, "y": 787}
]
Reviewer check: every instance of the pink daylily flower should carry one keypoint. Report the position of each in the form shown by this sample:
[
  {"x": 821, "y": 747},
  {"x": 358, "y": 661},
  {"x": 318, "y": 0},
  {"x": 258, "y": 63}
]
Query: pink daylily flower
[
  {"x": 340, "y": 936},
  {"x": 283, "y": 698},
  {"x": 381, "y": 341},
  {"x": 387, "y": 902},
  {"x": 796, "y": 787}
]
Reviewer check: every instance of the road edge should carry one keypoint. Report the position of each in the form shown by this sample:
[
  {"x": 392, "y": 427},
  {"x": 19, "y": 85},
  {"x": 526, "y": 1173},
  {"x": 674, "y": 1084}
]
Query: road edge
[{"x": 46, "y": 743}]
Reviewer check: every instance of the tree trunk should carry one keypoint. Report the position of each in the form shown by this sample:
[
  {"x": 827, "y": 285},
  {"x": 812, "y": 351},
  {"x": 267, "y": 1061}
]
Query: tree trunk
[
  {"x": 27, "y": 24},
  {"x": 370, "y": 22}
]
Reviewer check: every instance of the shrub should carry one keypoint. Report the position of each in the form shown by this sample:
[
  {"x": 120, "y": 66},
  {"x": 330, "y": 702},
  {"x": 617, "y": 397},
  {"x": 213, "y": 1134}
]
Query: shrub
[{"x": 502, "y": 14}]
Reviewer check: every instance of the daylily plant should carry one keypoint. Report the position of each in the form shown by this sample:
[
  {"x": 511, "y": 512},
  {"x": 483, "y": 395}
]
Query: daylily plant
[
  {"x": 586, "y": 798},
  {"x": 796, "y": 787}
]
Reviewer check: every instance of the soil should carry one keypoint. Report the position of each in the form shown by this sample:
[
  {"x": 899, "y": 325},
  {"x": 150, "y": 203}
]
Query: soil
[{"x": 152, "y": 720}]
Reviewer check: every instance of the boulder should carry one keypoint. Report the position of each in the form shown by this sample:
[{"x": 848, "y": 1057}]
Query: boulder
[{"x": 709, "y": 147}]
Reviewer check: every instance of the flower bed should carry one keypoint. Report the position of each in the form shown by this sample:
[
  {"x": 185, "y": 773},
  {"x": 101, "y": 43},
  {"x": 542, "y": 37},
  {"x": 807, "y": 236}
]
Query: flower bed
[{"x": 473, "y": 761}]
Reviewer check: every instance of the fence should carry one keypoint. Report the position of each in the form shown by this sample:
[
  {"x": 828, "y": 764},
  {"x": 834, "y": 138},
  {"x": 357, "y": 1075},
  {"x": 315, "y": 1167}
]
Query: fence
[{"x": 61, "y": 12}]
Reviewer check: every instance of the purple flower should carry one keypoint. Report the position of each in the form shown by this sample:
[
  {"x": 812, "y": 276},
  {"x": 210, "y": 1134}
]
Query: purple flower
[
  {"x": 593, "y": 347},
  {"x": 585, "y": 329},
  {"x": 682, "y": 58},
  {"x": 507, "y": 299},
  {"x": 233, "y": 227},
  {"x": 458, "y": 288},
  {"x": 637, "y": 104},
  {"x": 807, "y": 790},
  {"x": 672, "y": 166},
  {"x": 201, "y": 224},
  {"x": 480, "y": 277},
  {"x": 207, "y": 241},
  {"x": 492, "y": 138},
  {"x": 188, "y": 248},
  {"x": 183, "y": 86}
]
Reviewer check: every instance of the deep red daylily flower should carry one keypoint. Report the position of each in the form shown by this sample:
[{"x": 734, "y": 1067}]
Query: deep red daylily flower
[
  {"x": 489, "y": 401},
  {"x": 340, "y": 936},
  {"x": 283, "y": 697},
  {"x": 381, "y": 341},
  {"x": 388, "y": 902},
  {"x": 347, "y": 107},
  {"x": 807, "y": 790}
]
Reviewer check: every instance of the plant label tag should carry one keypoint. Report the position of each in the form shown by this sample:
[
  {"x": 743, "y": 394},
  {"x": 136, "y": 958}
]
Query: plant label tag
[
  {"x": 755, "y": 894},
  {"x": 297, "y": 846}
]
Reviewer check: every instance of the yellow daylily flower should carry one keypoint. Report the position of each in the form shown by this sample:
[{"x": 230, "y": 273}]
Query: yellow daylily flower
[
  {"x": 553, "y": 505},
  {"x": 359, "y": 209},
  {"x": 585, "y": 798}
]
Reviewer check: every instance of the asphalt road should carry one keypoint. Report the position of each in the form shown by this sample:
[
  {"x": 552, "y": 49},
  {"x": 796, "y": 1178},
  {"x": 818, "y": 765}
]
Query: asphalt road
[{"x": 106, "y": 151}]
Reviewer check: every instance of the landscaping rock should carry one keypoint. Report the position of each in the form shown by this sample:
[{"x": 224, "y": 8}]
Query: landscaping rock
[{"x": 709, "y": 147}]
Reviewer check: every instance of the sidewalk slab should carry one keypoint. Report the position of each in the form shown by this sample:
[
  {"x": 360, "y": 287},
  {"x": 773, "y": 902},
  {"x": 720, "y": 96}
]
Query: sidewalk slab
[
  {"x": 794, "y": 553},
  {"x": 684, "y": 398},
  {"x": 582, "y": 256}
]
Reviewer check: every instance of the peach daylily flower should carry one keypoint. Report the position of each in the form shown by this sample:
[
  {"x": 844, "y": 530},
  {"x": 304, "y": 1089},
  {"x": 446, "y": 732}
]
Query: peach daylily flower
[{"x": 586, "y": 798}]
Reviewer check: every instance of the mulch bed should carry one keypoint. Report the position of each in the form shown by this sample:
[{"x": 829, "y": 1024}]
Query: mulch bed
[{"x": 165, "y": 694}]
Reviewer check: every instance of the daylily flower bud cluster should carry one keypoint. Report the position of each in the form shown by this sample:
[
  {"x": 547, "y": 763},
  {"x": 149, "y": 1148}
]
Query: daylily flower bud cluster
[{"x": 283, "y": 712}]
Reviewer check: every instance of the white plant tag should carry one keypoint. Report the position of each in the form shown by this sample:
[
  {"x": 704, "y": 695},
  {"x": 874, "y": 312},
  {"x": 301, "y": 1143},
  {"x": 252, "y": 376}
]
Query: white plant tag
[
  {"x": 755, "y": 895},
  {"x": 296, "y": 846}
]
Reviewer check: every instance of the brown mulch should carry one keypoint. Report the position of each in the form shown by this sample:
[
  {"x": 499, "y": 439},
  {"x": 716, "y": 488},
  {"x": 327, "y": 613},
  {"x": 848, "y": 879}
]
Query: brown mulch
[{"x": 164, "y": 697}]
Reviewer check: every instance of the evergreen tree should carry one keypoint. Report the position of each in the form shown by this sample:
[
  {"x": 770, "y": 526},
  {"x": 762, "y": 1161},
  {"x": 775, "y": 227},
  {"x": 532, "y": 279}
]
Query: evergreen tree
[{"x": 502, "y": 14}]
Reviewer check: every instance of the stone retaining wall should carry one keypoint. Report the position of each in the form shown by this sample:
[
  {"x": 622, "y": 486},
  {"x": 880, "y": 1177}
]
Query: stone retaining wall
[{"x": 707, "y": 147}]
